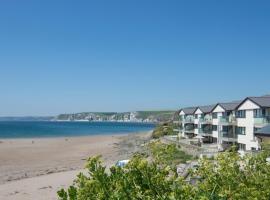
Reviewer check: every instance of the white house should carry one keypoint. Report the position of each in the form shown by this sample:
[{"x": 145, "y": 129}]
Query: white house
[
  {"x": 187, "y": 122},
  {"x": 252, "y": 114},
  {"x": 223, "y": 116},
  {"x": 203, "y": 122},
  {"x": 228, "y": 123}
]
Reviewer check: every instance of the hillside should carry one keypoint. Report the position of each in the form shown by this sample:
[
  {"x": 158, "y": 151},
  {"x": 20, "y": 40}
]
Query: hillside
[{"x": 138, "y": 116}]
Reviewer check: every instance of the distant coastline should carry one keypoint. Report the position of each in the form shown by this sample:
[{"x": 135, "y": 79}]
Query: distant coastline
[{"x": 136, "y": 116}]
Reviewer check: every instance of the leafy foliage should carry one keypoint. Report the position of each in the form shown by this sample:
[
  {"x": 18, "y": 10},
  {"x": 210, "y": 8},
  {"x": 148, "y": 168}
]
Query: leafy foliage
[
  {"x": 162, "y": 130},
  {"x": 227, "y": 177},
  {"x": 233, "y": 177},
  {"x": 168, "y": 154},
  {"x": 140, "y": 179}
]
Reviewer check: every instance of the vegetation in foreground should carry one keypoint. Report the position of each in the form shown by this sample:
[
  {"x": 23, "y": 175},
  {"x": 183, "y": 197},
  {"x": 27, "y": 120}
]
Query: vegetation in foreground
[
  {"x": 227, "y": 177},
  {"x": 163, "y": 130},
  {"x": 167, "y": 154}
]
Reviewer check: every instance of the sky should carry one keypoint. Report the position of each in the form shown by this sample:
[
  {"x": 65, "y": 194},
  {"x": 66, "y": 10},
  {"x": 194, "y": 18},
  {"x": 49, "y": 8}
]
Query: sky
[{"x": 74, "y": 56}]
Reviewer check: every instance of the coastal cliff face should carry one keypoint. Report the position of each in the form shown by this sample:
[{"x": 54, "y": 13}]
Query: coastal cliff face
[{"x": 138, "y": 116}]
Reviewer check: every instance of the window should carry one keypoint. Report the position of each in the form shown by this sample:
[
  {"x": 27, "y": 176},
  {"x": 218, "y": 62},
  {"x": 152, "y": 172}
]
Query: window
[
  {"x": 196, "y": 126},
  {"x": 214, "y": 127},
  {"x": 257, "y": 113},
  {"x": 196, "y": 116},
  {"x": 241, "y": 130},
  {"x": 240, "y": 114},
  {"x": 214, "y": 115},
  {"x": 242, "y": 147},
  {"x": 225, "y": 128},
  {"x": 255, "y": 129},
  {"x": 226, "y": 114}
]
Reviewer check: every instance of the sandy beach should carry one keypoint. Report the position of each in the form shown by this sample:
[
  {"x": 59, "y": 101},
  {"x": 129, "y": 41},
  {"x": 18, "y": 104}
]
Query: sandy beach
[{"x": 37, "y": 168}]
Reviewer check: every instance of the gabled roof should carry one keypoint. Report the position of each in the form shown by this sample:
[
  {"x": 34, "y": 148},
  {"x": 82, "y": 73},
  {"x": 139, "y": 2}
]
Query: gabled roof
[
  {"x": 189, "y": 111},
  {"x": 265, "y": 131},
  {"x": 263, "y": 101},
  {"x": 228, "y": 106},
  {"x": 206, "y": 109}
]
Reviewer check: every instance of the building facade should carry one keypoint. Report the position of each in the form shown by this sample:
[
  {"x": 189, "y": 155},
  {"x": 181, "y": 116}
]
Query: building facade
[{"x": 226, "y": 124}]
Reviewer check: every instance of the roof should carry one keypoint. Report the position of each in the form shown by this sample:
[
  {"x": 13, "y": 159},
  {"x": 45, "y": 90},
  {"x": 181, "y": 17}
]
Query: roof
[
  {"x": 263, "y": 101},
  {"x": 206, "y": 109},
  {"x": 189, "y": 111},
  {"x": 229, "y": 106},
  {"x": 265, "y": 131}
]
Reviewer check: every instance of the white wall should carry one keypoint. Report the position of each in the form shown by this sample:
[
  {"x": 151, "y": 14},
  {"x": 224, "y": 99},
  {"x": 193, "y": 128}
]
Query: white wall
[
  {"x": 248, "y": 105},
  {"x": 219, "y": 110},
  {"x": 248, "y": 123}
]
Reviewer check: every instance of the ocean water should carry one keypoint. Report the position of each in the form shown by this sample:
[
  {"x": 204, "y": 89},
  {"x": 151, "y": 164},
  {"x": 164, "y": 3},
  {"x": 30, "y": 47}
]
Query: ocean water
[{"x": 26, "y": 129}]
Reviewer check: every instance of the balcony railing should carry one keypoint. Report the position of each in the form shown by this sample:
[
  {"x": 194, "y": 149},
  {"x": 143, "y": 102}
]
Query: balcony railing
[
  {"x": 228, "y": 136},
  {"x": 205, "y": 131},
  {"x": 205, "y": 120},
  {"x": 189, "y": 129},
  {"x": 262, "y": 120},
  {"x": 227, "y": 119},
  {"x": 188, "y": 120}
]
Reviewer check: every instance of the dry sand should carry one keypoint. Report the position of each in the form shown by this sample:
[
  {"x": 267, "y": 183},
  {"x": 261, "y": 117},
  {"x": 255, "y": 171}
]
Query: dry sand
[{"x": 37, "y": 168}]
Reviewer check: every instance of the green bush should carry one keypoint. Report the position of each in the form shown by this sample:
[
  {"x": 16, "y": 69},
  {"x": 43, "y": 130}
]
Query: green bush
[
  {"x": 138, "y": 180},
  {"x": 162, "y": 130},
  {"x": 168, "y": 154},
  {"x": 228, "y": 177}
]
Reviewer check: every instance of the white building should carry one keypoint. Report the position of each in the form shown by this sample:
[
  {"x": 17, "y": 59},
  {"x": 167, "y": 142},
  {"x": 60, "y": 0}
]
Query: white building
[
  {"x": 252, "y": 114},
  {"x": 224, "y": 123},
  {"x": 187, "y": 122},
  {"x": 227, "y": 123},
  {"x": 203, "y": 122}
]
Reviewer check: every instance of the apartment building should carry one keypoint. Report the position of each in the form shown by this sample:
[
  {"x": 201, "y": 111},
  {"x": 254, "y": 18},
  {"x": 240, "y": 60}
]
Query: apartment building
[
  {"x": 187, "y": 126},
  {"x": 224, "y": 122},
  {"x": 203, "y": 122},
  {"x": 252, "y": 114},
  {"x": 227, "y": 123}
]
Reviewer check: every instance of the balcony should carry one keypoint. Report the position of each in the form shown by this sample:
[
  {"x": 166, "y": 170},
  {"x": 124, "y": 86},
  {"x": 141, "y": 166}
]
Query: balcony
[
  {"x": 188, "y": 120},
  {"x": 205, "y": 132},
  {"x": 228, "y": 136},
  {"x": 262, "y": 121},
  {"x": 189, "y": 129},
  {"x": 227, "y": 120},
  {"x": 205, "y": 120}
]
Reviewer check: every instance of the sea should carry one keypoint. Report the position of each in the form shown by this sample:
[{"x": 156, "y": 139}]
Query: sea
[{"x": 43, "y": 129}]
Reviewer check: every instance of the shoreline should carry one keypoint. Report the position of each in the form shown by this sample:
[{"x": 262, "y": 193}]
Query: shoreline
[
  {"x": 28, "y": 164},
  {"x": 67, "y": 137}
]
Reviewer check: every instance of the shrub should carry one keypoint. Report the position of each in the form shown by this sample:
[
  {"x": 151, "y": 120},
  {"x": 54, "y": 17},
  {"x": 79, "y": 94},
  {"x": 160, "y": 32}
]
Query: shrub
[
  {"x": 228, "y": 177},
  {"x": 162, "y": 130}
]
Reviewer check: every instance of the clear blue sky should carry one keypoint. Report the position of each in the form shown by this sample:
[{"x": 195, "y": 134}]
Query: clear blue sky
[{"x": 72, "y": 56}]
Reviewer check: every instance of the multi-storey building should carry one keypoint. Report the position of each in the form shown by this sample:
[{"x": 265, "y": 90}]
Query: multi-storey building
[
  {"x": 252, "y": 114},
  {"x": 203, "y": 122},
  {"x": 223, "y": 115},
  {"x": 187, "y": 122},
  {"x": 227, "y": 123}
]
